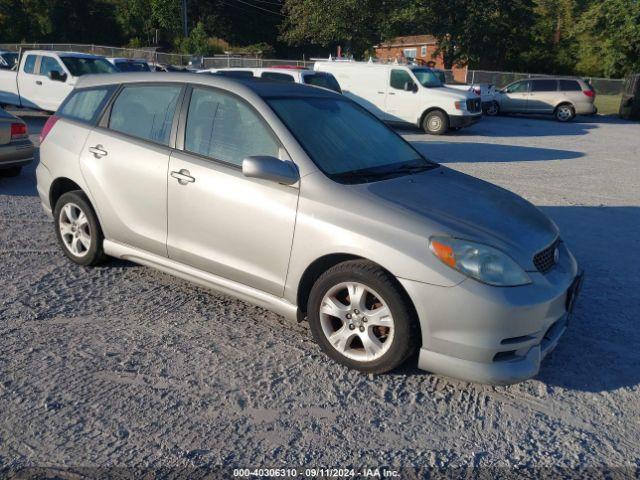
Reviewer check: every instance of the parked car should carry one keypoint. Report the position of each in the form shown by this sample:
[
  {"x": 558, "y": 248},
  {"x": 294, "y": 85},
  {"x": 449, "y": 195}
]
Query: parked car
[
  {"x": 283, "y": 74},
  {"x": 8, "y": 60},
  {"x": 405, "y": 93},
  {"x": 16, "y": 150},
  {"x": 564, "y": 98},
  {"x": 299, "y": 200},
  {"x": 486, "y": 91},
  {"x": 129, "y": 64},
  {"x": 165, "y": 67},
  {"x": 44, "y": 78},
  {"x": 630, "y": 101}
]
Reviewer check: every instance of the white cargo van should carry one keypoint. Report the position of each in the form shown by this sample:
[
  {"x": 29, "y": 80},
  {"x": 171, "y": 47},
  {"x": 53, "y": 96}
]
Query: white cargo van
[{"x": 405, "y": 93}]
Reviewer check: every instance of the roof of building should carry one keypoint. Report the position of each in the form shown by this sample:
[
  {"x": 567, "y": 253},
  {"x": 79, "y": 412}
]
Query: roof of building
[{"x": 409, "y": 40}]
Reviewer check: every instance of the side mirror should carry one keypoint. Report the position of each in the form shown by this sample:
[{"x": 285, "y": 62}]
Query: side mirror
[
  {"x": 410, "y": 87},
  {"x": 56, "y": 76},
  {"x": 270, "y": 168}
]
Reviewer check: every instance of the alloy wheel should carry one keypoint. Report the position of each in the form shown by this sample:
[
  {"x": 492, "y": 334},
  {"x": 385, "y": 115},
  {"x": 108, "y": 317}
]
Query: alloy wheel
[
  {"x": 75, "y": 230},
  {"x": 356, "y": 321}
]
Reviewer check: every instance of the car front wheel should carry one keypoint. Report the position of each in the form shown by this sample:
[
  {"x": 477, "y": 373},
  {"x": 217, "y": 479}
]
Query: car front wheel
[
  {"x": 78, "y": 230},
  {"x": 493, "y": 109},
  {"x": 360, "y": 317}
]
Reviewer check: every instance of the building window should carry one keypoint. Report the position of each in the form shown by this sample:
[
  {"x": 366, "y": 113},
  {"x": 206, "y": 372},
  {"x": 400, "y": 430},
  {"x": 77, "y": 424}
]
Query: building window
[
  {"x": 410, "y": 52},
  {"x": 423, "y": 51}
]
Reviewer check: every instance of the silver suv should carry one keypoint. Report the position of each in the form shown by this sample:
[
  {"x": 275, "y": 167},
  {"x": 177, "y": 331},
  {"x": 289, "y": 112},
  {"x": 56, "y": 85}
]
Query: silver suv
[
  {"x": 297, "y": 199},
  {"x": 564, "y": 98}
]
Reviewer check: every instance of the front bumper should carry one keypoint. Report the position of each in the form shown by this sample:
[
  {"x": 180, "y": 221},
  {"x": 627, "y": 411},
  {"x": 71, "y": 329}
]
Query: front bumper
[
  {"x": 460, "y": 121},
  {"x": 495, "y": 335},
  {"x": 16, "y": 154}
]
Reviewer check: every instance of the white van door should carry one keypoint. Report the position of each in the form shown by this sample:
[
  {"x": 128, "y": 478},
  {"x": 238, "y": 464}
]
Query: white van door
[
  {"x": 365, "y": 85},
  {"x": 402, "y": 104}
]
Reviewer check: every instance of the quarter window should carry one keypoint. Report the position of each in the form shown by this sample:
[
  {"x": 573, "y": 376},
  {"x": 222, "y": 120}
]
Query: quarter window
[
  {"x": 145, "y": 111},
  {"x": 85, "y": 105},
  {"x": 222, "y": 127},
  {"x": 399, "y": 78},
  {"x": 49, "y": 64},
  {"x": 30, "y": 64},
  {"x": 544, "y": 85},
  {"x": 570, "y": 86}
]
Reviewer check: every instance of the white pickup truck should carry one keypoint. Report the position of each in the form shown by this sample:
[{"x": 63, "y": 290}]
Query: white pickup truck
[{"x": 44, "y": 78}]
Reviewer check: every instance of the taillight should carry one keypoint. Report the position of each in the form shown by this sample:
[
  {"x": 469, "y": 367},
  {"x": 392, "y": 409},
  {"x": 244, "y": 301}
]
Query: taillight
[
  {"x": 18, "y": 130},
  {"x": 51, "y": 121},
  {"x": 589, "y": 93}
]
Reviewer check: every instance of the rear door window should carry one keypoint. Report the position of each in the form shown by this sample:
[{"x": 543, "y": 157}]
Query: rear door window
[
  {"x": 85, "y": 105},
  {"x": 570, "y": 86},
  {"x": 145, "y": 111},
  {"x": 279, "y": 77},
  {"x": 544, "y": 85},
  {"x": 30, "y": 64},
  {"x": 224, "y": 128}
]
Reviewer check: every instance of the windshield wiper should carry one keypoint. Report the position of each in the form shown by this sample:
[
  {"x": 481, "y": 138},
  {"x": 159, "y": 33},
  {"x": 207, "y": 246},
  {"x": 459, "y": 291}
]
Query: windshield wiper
[{"x": 413, "y": 167}]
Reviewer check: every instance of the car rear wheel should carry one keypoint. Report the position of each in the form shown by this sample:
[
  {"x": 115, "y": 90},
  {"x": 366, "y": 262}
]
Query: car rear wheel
[
  {"x": 360, "y": 317},
  {"x": 435, "y": 123},
  {"x": 10, "y": 172},
  {"x": 493, "y": 109},
  {"x": 564, "y": 112},
  {"x": 78, "y": 230}
]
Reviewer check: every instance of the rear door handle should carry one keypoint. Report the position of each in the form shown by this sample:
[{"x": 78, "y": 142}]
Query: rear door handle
[
  {"x": 38, "y": 82},
  {"x": 98, "y": 151},
  {"x": 381, "y": 93},
  {"x": 183, "y": 177}
]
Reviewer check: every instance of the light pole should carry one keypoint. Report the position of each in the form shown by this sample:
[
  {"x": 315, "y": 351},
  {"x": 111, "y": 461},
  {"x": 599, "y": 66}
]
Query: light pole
[{"x": 184, "y": 18}]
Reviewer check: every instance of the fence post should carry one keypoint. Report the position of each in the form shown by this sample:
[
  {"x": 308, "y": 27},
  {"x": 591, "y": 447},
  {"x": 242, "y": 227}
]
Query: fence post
[{"x": 473, "y": 77}]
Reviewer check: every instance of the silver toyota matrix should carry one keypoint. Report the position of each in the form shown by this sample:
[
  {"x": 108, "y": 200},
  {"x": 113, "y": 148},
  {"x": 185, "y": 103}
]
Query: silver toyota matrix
[{"x": 297, "y": 199}]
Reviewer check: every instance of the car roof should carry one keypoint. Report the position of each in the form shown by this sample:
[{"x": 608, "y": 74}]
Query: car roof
[
  {"x": 241, "y": 85},
  {"x": 63, "y": 54}
]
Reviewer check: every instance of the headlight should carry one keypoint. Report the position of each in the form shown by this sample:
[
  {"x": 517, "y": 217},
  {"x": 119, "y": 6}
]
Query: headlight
[{"x": 482, "y": 262}]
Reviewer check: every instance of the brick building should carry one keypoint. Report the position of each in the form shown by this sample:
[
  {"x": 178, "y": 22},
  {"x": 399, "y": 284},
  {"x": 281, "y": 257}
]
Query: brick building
[{"x": 418, "y": 48}]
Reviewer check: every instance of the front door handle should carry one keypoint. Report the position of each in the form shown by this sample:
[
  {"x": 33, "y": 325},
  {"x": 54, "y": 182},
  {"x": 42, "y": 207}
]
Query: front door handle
[
  {"x": 183, "y": 177},
  {"x": 38, "y": 82},
  {"x": 98, "y": 151}
]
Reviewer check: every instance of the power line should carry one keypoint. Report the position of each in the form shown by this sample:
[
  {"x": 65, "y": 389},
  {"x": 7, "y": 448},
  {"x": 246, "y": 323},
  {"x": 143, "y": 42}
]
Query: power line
[
  {"x": 270, "y": 3},
  {"x": 256, "y": 7}
]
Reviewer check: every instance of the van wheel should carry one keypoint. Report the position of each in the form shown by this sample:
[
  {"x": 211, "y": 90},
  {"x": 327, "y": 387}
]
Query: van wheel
[
  {"x": 564, "y": 112},
  {"x": 435, "y": 123},
  {"x": 360, "y": 317},
  {"x": 78, "y": 230}
]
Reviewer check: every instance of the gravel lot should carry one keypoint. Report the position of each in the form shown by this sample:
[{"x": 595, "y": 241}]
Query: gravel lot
[{"x": 124, "y": 366}]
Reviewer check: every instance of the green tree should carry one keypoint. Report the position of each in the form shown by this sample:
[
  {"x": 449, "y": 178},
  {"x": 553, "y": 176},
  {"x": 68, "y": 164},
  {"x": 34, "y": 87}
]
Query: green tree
[
  {"x": 352, "y": 23},
  {"x": 609, "y": 34}
]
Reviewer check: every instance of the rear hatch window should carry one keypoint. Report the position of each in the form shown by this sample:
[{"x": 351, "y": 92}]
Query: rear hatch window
[{"x": 323, "y": 80}]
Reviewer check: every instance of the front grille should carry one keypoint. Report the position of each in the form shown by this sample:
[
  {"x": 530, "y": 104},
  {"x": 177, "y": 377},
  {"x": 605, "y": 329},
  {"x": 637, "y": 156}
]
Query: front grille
[
  {"x": 473, "y": 105},
  {"x": 545, "y": 259}
]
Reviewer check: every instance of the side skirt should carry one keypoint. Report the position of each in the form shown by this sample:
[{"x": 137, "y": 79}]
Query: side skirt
[{"x": 205, "y": 279}]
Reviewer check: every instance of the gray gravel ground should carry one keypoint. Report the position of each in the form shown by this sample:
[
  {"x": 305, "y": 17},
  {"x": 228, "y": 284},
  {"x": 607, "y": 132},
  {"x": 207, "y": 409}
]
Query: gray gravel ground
[{"x": 121, "y": 365}]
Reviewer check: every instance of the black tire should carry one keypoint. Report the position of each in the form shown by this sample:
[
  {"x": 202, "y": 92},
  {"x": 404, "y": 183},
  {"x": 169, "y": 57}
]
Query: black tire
[
  {"x": 493, "y": 110},
  {"x": 10, "y": 172},
  {"x": 94, "y": 254},
  {"x": 564, "y": 112},
  {"x": 406, "y": 336},
  {"x": 435, "y": 122}
]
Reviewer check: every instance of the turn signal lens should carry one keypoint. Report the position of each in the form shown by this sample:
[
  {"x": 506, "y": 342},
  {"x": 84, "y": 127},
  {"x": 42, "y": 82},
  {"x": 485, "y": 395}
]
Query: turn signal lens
[{"x": 444, "y": 253}]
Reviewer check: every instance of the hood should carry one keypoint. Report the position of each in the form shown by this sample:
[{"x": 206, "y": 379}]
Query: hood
[
  {"x": 465, "y": 207},
  {"x": 455, "y": 94}
]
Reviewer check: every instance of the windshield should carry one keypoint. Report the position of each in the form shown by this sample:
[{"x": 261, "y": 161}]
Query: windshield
[
  {"x": 427, "y": 78},
  {"x": 79, "y": 66},
  {"x": 345, "y": 141},
  {"x": 322, "y": 80},
  {"x": 133, "y": 66},
  {"x": 8, "y": 60}
]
